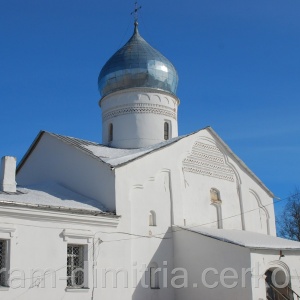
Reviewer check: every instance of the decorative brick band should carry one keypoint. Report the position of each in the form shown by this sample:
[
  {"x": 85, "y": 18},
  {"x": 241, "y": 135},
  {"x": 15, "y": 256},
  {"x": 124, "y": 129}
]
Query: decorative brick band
[{"x": 140, "y": 108}]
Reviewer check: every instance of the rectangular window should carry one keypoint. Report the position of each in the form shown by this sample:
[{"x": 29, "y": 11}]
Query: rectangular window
[
  {"x": 75, "y": 266},
  {"x": 166, "y": 131},
  {"x": 154, "y": 279},
  {"x": 3, "y": 256}
]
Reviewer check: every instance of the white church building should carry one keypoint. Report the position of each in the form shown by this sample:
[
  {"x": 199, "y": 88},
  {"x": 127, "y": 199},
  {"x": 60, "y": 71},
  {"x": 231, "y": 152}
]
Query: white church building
[{"x": 147, "y": 214}]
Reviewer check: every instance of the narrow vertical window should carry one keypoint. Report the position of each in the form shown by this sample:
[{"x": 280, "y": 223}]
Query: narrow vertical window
[
  {"x": 154, "y": 277},
  {"x": 110, "y": 132},
  {"x": 75, "y": 265},
  {"x": 152, "y": 218},
  {"x": 166, "y": 131},
  {"x": 3, "y": 254},
  {"x": 216, "y": 202}
]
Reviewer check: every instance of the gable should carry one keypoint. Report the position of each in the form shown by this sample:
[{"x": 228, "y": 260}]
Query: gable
[{"x": 52, "y": 160}]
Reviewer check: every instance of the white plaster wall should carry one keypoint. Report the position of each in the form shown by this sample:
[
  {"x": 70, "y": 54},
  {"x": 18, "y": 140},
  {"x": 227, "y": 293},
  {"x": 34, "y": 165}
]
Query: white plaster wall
[
  {"x": 38, "y": 244},
  {"x": 157, "y": 182},
  {"x": 262, "y": 260},
  {"x": 142, "y": 123},
  {"x": 191, "y": 204},
  {"x": 54, "y": 160},
  {"x": 197, "y": 253}
]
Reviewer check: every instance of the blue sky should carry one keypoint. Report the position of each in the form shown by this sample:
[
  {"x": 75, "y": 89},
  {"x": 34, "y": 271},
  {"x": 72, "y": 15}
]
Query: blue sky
[{"x": 238, "y": 63}]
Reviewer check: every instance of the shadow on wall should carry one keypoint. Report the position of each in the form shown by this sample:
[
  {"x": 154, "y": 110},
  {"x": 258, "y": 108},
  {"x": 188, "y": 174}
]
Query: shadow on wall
[{"x": 155, "y": 275}]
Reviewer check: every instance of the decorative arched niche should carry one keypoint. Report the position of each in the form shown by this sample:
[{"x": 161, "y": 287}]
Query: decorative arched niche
[
  {"x": 152, "y": 218},
  {"x": 216, "y": 208}
]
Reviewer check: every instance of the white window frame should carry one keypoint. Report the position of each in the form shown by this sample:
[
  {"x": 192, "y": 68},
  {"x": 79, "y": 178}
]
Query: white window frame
[
  {"x": 84, "y": 239},
  {"x": 6, "y": 235},
  {"x": 74, "y": 267},
  {"x": 4, "y": 252}
]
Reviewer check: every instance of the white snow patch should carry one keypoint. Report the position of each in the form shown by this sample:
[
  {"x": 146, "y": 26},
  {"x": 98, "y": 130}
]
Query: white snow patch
[
  {"x": 246, "y": 238},
  {"x": 53, "y": 194},
  {"x": 117, "y": 156}
]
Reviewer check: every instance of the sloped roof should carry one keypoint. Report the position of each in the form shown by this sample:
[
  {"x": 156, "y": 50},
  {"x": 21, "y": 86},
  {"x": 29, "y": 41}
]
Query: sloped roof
[
  {"x": 52, "y": 195},
  {"x": 246, "y": 239},
  {"x": 116, "y": 157},
  {"x": 111, "y": 156}
]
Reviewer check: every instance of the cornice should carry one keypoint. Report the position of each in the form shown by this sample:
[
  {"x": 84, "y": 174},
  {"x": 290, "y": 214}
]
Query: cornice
[{"x": 57, "y": 216}]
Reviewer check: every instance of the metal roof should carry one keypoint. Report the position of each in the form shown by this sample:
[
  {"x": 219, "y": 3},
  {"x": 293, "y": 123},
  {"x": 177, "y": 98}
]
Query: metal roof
[{"x": 137, "y": 64}]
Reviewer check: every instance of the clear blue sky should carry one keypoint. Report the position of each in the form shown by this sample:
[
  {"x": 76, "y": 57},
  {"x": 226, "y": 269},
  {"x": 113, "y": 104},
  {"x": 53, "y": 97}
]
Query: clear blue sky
[{"x": 238, "y": 63}]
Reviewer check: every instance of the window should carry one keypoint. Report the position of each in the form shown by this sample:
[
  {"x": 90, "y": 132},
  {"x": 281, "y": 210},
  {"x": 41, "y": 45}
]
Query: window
[
  {"x": 216, "y": 202},
  {"x": 110, "y": 132},
  {"x": 154, "y": 277},
  {"x": 166, "y": 130},
  {"x": 215, "y": 196},
  {"x": 152, "y": 218},
  {"x": 3, "y": 255},
  {"x": 75, "y": 265}
]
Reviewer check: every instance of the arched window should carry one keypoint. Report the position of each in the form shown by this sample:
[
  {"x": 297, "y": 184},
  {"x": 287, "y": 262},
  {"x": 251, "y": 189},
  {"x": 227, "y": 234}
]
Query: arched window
[
  {"x": 110, "y": 132},
  {"x": 216, "y": 211},
  {"x": 215, "y": 196},
  {"x": 152, "y": 218},
  {"x": 154, "y": 276},
  {"x": 166, "y": 130}
]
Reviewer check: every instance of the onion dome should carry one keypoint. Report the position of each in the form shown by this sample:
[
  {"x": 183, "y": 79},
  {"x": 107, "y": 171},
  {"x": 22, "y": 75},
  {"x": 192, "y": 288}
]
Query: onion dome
[{"x": 137, "y": 64}]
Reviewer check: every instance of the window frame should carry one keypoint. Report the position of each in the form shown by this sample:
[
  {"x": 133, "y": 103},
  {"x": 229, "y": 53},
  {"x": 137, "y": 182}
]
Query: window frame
[
  {"x": 7, "y": 235},
  {"x": 74, "y": 265},
  {"x": 83, "y": 238},
  {"x": 4, "y": 258},
  {"x": 167, "y": 130}
]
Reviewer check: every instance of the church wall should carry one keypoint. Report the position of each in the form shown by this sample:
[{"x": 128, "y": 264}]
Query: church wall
[
  {"x": 244, "y": 203},
  {"x": 147, "y": 244},
  {"x": 54, "y": 160},
  {"x": 38, "y": 242},
  {"x": 190, "y": 203},
  {"x": 263, "y": 260},
  {"x": 256, "y": 203},
  {"x": 203, "y": 260},
  {"x": 159, "y": 182}
]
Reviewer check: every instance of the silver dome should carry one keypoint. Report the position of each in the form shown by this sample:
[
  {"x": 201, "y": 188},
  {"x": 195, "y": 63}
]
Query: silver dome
[{"x": 137, "y": 64}]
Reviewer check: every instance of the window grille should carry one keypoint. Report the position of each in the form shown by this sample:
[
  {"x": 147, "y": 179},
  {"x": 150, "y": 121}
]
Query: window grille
[
  {"x": 75, "y": 265},
  {"x": 2, "y": 262},
  {"x": 166, "y": 131}
]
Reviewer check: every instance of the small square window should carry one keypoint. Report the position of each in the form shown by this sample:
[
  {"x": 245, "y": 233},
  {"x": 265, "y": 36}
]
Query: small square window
[{"x": 75, "y": 266}]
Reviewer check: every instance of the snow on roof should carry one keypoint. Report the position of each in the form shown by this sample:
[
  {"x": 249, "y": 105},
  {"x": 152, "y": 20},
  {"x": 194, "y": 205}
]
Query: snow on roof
[
  {"x": 51, "y": 195},
  {"x": 114, "y": 156},
  {"x": 246, "y": 239},
  {"x": 117, "y": 157}
]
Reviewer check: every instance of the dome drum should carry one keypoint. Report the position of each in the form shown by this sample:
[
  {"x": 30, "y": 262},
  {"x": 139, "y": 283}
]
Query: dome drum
[{"x": 135, "y": 119}]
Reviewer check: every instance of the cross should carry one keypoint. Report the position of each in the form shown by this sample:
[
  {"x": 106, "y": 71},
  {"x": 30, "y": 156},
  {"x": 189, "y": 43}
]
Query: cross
[{"x": 135, "y": 12}]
